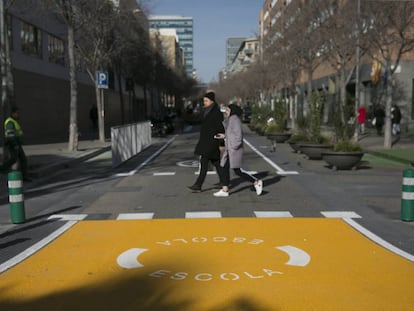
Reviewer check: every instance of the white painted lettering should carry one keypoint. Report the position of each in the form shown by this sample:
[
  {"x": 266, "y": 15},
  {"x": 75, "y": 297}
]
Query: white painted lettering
[
  {"x": 159, "y": 273},
  {"x": 166, "y": 243},
  {"x": 229, "y": 276},
  {"x": 179, "y": 276},
  {"x": 239, "y": 240},
  {"x": 181, "y": 240},
  {"x": 253, "y": 276},
  {"x": 256, "y": 241},
  {"x": 203, "y": 277},
  {"x": 219, "y": 239},
  {"x": 270, "y": 272},
  {"x": 200, "y": 240}
]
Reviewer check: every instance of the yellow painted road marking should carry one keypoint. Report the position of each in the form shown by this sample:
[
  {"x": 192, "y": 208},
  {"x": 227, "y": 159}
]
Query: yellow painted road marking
[{"x": 210, "y": 264}]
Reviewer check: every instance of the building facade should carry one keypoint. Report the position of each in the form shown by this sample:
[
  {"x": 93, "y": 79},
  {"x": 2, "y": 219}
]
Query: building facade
[
  {"x": 276, "y": 16},
  {"x": 232, "y": 47},
  {"x": 184, "y": 28},
  {"x": 40, "y": 68}
]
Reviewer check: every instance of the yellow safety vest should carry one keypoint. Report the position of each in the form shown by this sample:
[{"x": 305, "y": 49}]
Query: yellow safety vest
[{"x": 16, "y": 132}]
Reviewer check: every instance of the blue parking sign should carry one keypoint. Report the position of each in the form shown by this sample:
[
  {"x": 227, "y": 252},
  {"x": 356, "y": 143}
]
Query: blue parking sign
[{"x": 102, "y": 79}]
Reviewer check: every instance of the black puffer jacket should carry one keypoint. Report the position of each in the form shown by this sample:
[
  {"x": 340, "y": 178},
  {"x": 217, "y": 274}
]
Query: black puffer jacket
[{"x": 211, "y": 125}]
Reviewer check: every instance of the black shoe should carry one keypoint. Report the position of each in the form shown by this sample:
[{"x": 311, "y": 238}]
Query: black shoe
[{"x": 195, "y": 188}]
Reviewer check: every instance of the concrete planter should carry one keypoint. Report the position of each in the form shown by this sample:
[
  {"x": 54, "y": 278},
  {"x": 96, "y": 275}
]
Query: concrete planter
[
  {"x": 314, "y": 151},
  {"x": 342, "y": 160}
]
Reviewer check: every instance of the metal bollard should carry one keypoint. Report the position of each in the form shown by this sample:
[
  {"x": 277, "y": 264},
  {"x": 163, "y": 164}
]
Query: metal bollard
[
  {"x": 407, "y": 201},
  {"x": 16, "y": 200}
]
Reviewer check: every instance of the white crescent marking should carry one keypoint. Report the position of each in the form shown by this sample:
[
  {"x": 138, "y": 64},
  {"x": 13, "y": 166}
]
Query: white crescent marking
[
  {"x": 297, "y": 257},
  {"x": 129, "y": 258}
]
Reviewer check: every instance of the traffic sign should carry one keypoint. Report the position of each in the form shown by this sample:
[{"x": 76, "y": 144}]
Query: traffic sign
[{"x": 102, "y": 79}]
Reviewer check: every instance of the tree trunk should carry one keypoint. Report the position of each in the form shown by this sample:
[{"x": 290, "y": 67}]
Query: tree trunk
[
  {"x": 100, "y": 107},
  {"x": 73, "y": 122},
  {"x": 342, "y": 95}
]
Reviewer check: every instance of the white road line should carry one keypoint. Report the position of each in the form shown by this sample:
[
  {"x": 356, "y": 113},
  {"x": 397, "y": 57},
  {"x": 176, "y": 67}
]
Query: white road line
[
  {"x": 135, "y": 216},
  {"x": 164, "y": 174},
  {"x": 208, "y": 173},
  {"x": 279, "y": 170},
  {"x": 68, "y": 217},
  {"x": 269, "y": 214},
  {"x": 340, "y": 215},
  {"x": 378, "y": 240},
  {"x": 149, "y": 159},
  {"x": 36, "y": 247},
  {"x": 203, "y": 215}
]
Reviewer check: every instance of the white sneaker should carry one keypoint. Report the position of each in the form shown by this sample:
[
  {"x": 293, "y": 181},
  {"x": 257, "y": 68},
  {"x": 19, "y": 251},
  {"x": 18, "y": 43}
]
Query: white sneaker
[
  {"x": 221, "y": 193},
  {"x": 259, "y": 187}
]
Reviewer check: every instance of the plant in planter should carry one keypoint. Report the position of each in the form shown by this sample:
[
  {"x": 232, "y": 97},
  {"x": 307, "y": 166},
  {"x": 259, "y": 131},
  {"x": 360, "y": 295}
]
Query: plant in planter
[
  {"x": 296, "y": 139},
  {"x": 276, "y": 130},
  {"x": 260, "y": 115},
  {"x": 346, "y": 154},
  {"x": 316, "y": 142}
]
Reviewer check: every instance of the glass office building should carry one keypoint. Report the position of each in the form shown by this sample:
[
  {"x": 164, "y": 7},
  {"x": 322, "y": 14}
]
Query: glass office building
[
  {"x": 232, "y": 47},
  {"x": 184, "y": 28}
]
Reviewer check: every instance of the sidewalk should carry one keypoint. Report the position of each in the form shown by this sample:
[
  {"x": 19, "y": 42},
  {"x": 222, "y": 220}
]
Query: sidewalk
[
  {"x": 48, "y": 158},
  {"x": 402, "y": 149}
]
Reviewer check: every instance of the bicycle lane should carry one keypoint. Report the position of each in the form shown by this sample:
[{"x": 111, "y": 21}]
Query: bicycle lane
[{"x": 210, "y": 264}]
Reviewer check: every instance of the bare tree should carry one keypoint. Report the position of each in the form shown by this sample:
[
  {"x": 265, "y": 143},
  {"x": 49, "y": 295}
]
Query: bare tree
[
  {"x": 389, "y": 29},
  {"x": 96, "y": 45}
]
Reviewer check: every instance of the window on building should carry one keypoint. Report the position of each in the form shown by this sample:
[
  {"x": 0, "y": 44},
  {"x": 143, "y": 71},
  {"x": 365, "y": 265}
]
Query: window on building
[
  {"x": 56, "y": 50},
  {"x": 31, "y": 40}
]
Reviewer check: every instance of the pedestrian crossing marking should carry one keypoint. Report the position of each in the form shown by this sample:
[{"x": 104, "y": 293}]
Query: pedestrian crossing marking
[
  {"x": 135, "y": 216},
  {"x": 208, "y": 214},
  {"x": 203, "y": 215},
  {"x": 340, "y": 215},
  {"x": 273, "y": 214}
]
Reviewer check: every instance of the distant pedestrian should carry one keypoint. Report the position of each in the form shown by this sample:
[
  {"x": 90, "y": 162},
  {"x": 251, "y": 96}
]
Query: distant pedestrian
[
  {"x": 379, "y": 115},
  {"x": 233, "y": 153},
  {"x": 395, "y": 119},
  {"x": 362, "y": 113},
  {"x": 93, "y": 116},
  {"x": 14, "y": 152},
  {"x": 207, "y": 146}
]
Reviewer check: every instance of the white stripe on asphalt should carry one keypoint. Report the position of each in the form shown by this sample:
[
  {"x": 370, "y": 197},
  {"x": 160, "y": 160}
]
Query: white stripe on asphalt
[
  {"x": 279, "y": 170},
  {"x": 135, "y": 216},
  {"x": 270, "y": 214},
  {"x": 149, "y": 159},
  {"x": 378, "y": 240},
  {"x": 164, "y": 174},
  {"x": 36, "y": 247},
  {"x": 340, "y": 215},
  {"x": 203, "y": 215},
  {"x": 69, "y": 217}
]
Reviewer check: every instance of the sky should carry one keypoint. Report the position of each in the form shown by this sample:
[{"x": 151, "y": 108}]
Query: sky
[{"x": 214, "y": 22}]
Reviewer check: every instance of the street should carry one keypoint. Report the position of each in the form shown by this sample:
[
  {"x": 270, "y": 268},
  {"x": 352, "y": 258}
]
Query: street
[{"x": 135, "y": 237}]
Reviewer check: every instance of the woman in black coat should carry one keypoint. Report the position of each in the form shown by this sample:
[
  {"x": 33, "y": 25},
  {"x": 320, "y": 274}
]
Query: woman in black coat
[{"x": 208, "y": 146}]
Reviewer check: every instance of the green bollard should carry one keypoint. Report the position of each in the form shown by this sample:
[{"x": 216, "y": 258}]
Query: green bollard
[
  {"x": 16, "y": 200},
  {"x": 407, "y": 201}
]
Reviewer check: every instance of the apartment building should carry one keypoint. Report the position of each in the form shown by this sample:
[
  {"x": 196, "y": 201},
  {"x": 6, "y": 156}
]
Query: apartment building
[
  {"x": 183, "y": 26},
  {"x": 39, "y": 57},
  {"x": 279, "y": 14}
]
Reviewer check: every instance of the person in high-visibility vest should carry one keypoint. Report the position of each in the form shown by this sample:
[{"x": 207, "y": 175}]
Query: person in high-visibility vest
[{"x": 13, "y": 142}]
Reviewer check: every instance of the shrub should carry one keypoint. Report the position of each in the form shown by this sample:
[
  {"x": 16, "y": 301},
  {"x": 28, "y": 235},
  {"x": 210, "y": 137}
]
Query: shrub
[{"x": 347, "y": 145}]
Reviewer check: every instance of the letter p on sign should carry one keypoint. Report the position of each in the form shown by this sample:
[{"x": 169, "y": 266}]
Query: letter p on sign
[{"x": 102, "y": 79}]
